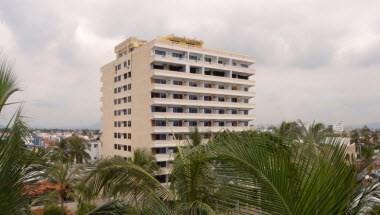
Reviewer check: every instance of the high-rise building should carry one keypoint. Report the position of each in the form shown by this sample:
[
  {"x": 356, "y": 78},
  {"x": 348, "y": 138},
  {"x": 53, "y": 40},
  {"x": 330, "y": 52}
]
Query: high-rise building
[{"x": 155, "y": 92}]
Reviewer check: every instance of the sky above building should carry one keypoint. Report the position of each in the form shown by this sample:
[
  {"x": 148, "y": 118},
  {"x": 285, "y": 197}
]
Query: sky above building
[{"x": 316, "y": 60}]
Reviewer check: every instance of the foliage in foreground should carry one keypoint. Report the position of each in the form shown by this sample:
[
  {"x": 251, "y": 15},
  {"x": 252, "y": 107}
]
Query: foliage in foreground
[{"x": 240, "y": 173}]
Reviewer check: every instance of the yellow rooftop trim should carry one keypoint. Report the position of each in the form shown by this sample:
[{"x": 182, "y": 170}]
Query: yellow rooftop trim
[{"x": 182, "y": 40}]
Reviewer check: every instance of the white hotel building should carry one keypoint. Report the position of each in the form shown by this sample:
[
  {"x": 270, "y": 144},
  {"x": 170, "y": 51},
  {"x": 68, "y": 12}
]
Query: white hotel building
[{"x": 155, "y": 92}]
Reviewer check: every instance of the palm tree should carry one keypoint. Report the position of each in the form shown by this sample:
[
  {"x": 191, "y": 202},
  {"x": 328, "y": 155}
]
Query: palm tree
[
  {"x": 287, "y": 131},
  {"x": 16, "y": 163},
  {"x": 274, "y": 179},
  {"x": 315, "y": 133},
  {"x": 66, "y": 176},
  {"x": 77, "y": 149},
  {"x": 132, "y": 181}
]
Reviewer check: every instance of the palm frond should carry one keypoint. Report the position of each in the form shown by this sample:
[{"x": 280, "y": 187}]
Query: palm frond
[{"x": 278, "y": 179}]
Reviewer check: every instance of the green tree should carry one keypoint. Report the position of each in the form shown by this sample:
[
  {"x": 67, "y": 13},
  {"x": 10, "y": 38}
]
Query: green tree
[
  {"x": 76, "y": 147},
  {"x": 17, "y": 164},
  {"x": 129, "y": 180},
  {"x": 65, "y": 175}
]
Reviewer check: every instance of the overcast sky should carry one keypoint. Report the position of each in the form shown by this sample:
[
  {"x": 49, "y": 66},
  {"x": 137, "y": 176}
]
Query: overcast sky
[{"x": 316, "y": 60}]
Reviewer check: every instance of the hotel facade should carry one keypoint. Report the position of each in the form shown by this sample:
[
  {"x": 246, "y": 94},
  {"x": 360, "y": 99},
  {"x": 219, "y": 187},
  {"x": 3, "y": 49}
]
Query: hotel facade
[{"x": 154, "y": 93}]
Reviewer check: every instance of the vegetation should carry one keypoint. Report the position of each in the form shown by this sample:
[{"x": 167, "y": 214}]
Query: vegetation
[{"x": 17, "y": 165}]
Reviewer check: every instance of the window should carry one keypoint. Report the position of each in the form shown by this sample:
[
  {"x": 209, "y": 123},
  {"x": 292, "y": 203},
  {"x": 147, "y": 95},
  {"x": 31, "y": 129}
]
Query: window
[
  {"x": 208, "y": 85},
  {"x": 193, "y": 57},
  {"x": 129, "y": 111},
  {"x": 177, "y": 96},
  {"x": 193, "y": 110},
  {"x": 177, "y": 55},
  {"x": 129, "y": 86},
  {"x": 195, "y": 70},
  {"x": 158, "y": 95},
  {"x": 156, "y": 66},
  {"x": 207, "y": 98},
  {"x": 221, "y": 111},
  {"x": 129, "y": 124},
  {"x": 175, "y": 82},
  {"x": 233, "y": 111},
  {"x": 193, "y": 84},
  {"x": 125, "y": 64},
  {"x": 221, "y": 87},
  {"x": 125, "y": 75},
  {"x": 208, "y": 59},
  {"x": 161, "y": 178},
  {"x": 129, "y": 74},
  {"x": 245, "y": 112},
  {"x": 177, "y": 110},
  {"x": 160, "y": 52},
  {"x": 193, "y": 97},
  {"x": 129, "y": 148},
  {"x": 118, "y": 66},
  {"x": 161, "y": 164},
  {"x": 158, "y": 109},
  {"x": 207, "y": 110},
  {"x": 207, "y": 123},
  {"x": 158, "y": 122},
  {"x": 193, "y": 123},
  {"x": 221, "y": 124},
  {"x": 233, "y": 99},
  {"x": 177, "y": 123},
  {"x": 158, "y": 136},
  {"x": 129, "y": 136},
  {"x": 159, "y": 81},
  {"x": 125, "y": 148},
  {"x": 221, "y": 99},
  {"x": 115, "y": 146}
]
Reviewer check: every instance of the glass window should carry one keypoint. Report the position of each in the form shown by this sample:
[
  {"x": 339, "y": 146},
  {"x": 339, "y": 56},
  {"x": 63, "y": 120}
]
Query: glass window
[
  {"x": 177, "y": 55},
  {"x": 177, "y": 109},
  {"x": 160, "y": 52}
]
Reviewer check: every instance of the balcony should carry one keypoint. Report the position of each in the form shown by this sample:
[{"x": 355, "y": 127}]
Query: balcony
[
  {"x": 199, "y": 77},
  {"x": 164, "y": 157},
  {"x": 202, "y": 116},
  {"x": 173, "y": 143},
  {"x": 202, "y": 103},
  {"x": 202, "y": 90},
  {"x": 202, "y": 63},
  {"x": 202, "y": 129}
]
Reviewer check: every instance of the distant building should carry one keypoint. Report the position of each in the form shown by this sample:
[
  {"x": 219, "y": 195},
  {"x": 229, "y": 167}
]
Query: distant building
[
  {"x": 154, "y": 92},
  {"x": 93, "y": 149},
  {"x": 338, "y": 128}
]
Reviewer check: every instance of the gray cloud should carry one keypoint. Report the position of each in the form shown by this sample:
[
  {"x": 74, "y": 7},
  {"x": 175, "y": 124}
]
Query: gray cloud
[{"x": 315, "y": 59}]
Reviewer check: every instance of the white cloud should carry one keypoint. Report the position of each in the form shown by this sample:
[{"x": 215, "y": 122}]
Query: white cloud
[{"x": 315, "y": 59}]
